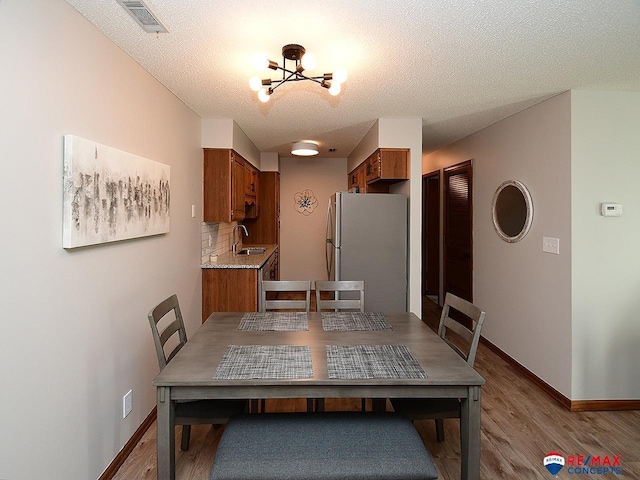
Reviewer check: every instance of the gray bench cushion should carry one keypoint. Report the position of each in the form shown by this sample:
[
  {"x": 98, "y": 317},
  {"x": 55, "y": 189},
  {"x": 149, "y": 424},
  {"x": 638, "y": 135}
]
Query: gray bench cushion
[{"x": 327, "y": 446}]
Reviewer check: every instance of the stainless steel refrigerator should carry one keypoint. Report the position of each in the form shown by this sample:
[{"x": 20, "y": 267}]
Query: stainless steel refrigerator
[{"x": 367, "y": 240}]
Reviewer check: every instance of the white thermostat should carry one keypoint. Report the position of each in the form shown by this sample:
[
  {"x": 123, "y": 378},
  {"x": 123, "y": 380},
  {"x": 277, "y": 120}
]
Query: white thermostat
[{"x": 611, "y": 209}]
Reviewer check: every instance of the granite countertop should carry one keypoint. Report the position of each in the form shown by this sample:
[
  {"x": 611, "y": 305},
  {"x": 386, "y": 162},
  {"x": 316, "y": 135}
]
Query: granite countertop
[{"x": 229, "y": 260}]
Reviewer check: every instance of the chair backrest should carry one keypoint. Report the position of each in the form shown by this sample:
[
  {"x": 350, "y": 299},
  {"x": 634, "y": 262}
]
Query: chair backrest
[
  {"x": 469, "y": 335},
  {"x": 348, "y": 295},
  {"x": 176, "y": 325},
  {"x": 299, "y": 286}
]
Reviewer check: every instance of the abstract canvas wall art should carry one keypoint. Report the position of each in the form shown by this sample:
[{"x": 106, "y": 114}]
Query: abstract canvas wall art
[{"x": 111, "y": 195}]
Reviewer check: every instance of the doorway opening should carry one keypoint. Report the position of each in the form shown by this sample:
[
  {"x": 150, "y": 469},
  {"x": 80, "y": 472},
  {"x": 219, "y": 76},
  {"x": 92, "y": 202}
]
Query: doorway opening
[{"x": 430, "y": 242}]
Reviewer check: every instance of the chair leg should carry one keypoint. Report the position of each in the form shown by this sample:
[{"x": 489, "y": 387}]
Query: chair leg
[
  {"x": 440, "y": 430},
  {"x": 186, "y": 434}
]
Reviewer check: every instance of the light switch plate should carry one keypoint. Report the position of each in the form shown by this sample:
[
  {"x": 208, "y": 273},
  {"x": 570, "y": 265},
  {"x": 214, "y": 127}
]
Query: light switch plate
[
  {"x": 127, "y": 403},
  {"x": 551, "y": 245}
]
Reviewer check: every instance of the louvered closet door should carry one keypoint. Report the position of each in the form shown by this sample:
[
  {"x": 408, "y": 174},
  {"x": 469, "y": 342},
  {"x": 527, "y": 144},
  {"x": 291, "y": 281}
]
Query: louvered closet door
[
  {"x": 431, "y": 234},
  {"x": 458, "y": 230}
]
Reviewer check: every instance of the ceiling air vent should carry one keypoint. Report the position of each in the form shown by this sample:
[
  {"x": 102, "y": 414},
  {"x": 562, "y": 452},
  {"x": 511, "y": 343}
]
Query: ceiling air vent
[{"x": 143, "y": 16}]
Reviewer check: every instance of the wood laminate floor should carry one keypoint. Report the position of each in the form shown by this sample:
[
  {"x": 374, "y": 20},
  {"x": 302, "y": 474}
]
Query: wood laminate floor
[{"x": 520, "y": 425}]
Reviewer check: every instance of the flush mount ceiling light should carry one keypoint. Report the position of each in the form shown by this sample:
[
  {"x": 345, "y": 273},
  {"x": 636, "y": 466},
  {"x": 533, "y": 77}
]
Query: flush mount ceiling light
[
  {"x": 303, "y": 61},
  {"x": 304, "y": 149}
]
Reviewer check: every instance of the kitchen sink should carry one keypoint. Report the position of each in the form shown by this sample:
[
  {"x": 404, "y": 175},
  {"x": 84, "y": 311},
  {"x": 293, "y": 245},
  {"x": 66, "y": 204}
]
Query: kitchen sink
[{"x": 252, "y": 251}]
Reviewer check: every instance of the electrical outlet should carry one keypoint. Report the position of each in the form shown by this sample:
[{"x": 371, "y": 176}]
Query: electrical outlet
[
  {"x": 551, "y": 245},
  {"x": 127, "y": 403}
]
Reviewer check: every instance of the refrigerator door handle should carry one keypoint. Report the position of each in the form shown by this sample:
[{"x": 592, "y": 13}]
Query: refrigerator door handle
[{"x": 329, "y": 241}]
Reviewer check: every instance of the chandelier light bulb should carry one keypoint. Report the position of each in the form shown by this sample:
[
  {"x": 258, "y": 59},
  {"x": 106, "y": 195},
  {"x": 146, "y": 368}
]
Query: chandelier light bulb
[
  {"x": 260, "y": 62},
  {"x": 308, "y": 61},
  {"x": 335, "y": 88},
  {"x": 264, "y": 95},
  {"x": 255, "y": 83},
  {"x": 340, "y": 75}
]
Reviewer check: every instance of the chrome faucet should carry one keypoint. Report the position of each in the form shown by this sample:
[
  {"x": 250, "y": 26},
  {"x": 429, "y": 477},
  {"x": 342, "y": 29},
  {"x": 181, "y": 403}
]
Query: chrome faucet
[{"x": 234, "y": 247}]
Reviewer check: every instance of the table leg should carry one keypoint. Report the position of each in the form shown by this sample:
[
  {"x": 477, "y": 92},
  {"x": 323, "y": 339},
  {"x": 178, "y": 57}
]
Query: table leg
[
  {"x": 166, "y": 436},
  {"x": 470, "y": 435}
]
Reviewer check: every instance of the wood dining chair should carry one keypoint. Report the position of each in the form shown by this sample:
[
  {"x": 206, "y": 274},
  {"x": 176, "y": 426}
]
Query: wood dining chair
[
  {"x": 465, "y": 342},
  {"x": 285, "y": 288},
  {"x": 288, "y": 288},
  {"x": 346, "y": 295},
  {"x": 339, "y": 296},
  {"x": 201, "y": 412}
]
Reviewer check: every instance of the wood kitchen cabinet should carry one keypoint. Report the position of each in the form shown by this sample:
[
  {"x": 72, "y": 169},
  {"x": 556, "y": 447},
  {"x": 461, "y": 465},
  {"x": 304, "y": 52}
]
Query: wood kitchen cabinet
[
  {"x": 229, "y": 290},
  {"x": 224, "y": 185},
  {"x": 271, "y": 269},
  {"x": 236, "y": 289},
  {"x": 266, "y": 228},
  {"x": 357, "y": 178},
  {"x": 251, "y": 190},
  {"x": 381, "y": 169}
]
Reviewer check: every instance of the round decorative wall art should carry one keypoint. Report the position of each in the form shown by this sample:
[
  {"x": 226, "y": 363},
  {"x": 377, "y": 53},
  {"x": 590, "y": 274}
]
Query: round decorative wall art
[
  {"x": 305, "y": 202},
  {"x": 512, "y": 211}
]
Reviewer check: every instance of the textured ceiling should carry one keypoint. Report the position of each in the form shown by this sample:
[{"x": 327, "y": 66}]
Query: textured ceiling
[{"x": 459, "y": 65}]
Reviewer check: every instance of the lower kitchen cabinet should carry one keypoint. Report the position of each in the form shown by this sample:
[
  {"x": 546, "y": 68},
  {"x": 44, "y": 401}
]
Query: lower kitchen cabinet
[
  {"x": 235, "y": 289},
  {"x": 229, "y": 290}
]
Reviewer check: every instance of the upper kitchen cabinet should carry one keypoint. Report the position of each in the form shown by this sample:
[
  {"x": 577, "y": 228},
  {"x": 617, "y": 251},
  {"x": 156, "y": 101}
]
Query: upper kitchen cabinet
[
  {"x": 266, "y": 228},
  {"x": 251, "y": 189},
  {"x": 357, "y": 178},
  {"x": 383, "y": 168},
  {"x": 224, "y": 185}
]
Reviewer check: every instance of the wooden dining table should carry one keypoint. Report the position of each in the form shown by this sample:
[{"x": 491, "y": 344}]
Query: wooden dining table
[{"x": 255, "y": 356}]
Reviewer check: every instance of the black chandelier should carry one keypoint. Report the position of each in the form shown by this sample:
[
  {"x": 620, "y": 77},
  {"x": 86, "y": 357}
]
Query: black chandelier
[{"x": 303, "y": 61}]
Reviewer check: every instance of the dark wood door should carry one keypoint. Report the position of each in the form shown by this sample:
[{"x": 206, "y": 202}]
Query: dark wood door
[
  {"x": 458, "y": 230},
  {"x": 431, "y": 234}
]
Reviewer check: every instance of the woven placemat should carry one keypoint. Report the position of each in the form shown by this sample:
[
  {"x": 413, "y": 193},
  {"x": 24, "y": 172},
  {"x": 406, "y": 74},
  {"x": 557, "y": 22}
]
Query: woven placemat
[
  {"x": 243, "y": 362},
  {"x": 372, "y": 361},
  {"x": 274, "y": 321},
  {"x": 352, "y": 321}
]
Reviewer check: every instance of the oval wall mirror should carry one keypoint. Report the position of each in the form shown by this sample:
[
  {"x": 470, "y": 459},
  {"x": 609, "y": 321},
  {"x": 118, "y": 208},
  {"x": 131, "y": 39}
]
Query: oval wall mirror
[{"x": 512, "y": 211}]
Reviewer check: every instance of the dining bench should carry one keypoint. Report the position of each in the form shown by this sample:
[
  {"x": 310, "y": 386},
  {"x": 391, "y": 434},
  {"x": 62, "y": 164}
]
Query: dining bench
[{"x": 321, "y": 446}]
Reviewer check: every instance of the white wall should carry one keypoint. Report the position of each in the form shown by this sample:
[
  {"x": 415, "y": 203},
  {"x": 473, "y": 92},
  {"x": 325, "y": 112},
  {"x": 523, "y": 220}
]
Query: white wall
[
  {"x": 525, "y": 292},
  {"x": 369, "y": 143},
  {"x": 269, "y": 162},
  {"x": 75, "y": 337},
  {"x": 401, "y": 133},
  {"x": 244, "y": 146},
  {"x": 217, "y": 132},
  {"x": 407, "y": 133},
  {"x": 302, "y": 238},
  {"x": 605, "y": 167},
  {"x": 226, "y": 133}
]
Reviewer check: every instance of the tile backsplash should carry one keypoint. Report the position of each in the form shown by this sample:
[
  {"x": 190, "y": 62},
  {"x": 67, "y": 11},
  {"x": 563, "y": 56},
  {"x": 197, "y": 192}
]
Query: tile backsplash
[{"x": 216, "y": 239}]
